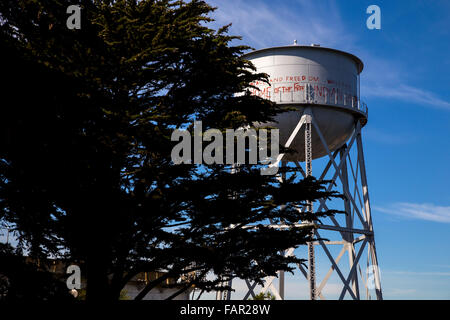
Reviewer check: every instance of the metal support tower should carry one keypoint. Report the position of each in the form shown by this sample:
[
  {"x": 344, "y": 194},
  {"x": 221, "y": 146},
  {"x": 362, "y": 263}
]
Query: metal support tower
[
  {"x": 309, "y": 207},
  {"x": 355, "y": 234}
]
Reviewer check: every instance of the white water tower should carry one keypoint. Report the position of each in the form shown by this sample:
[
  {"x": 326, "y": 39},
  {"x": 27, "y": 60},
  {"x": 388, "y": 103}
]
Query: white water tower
[{"x": 322, "y": 84}]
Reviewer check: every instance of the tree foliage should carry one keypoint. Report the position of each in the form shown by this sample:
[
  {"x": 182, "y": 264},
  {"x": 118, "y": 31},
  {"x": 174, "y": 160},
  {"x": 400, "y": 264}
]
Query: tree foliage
[
  {"x": 264, "y": 296},
  {"x": 85, "y": 167},
  {"x": 23, "y": 280}
]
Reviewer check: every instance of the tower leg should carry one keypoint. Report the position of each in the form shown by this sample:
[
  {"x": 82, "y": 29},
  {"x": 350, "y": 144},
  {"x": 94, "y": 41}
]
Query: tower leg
[
  {"x": 308, "y": 160},
  {"x": 353, "y": 228},
  {"x": 281, "y": 272},
  {"x": 281, "y": 282},
  {"x": 224, "y": 294},
  {"x": 365, "y": 189},
  {"x": 218, "y": 295},
  {"x": 348, "y": 236},
  {"x": 227, "y": 293}
]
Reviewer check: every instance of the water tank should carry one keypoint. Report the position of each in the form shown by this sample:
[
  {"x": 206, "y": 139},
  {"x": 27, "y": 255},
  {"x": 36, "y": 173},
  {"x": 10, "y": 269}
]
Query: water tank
[{"x": 325, "y": 79}]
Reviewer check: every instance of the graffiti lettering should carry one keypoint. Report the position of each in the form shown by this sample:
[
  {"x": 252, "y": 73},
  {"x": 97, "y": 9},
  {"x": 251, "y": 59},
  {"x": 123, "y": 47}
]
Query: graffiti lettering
[{"x": 298, "y": 87}]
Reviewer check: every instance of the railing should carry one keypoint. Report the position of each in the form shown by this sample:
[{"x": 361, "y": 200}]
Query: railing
[
  {"x": 311, "y": 94},
  {"x": 362, "y": 106}
]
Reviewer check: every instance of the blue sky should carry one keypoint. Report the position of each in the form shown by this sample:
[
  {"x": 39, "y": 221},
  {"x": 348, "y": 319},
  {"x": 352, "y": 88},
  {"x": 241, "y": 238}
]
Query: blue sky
[{"x": 406, "y": 84}]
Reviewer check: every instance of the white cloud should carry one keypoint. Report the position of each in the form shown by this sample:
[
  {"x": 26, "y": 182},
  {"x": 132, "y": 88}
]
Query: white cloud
[
  {"x": 446, "y": 266},
  {"x": 385, "y": 79},
  {"x": 385, "y": 137},
  {"x": 399, "y": 292},
  {"x": 400, "y": 91},
  {"x": 414, "y": 273},
  {"x": 263, "y": 24},
  {"x": 424, "y": 211}
]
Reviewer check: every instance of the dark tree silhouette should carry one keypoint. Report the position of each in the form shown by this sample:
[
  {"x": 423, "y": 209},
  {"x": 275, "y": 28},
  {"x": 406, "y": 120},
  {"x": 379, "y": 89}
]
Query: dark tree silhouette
[
  {"x": 85, "y": 166},
  {"x": 22, "y": 280}
]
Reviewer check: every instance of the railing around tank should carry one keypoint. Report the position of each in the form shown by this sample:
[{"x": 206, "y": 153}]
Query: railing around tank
[
  {"x": 310, "y": 93},
  {"x": 362, "y": 106}
]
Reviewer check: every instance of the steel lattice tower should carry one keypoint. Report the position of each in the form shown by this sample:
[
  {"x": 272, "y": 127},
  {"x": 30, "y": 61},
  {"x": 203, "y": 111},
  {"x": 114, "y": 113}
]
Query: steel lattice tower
[{"x": 323, "y": 84}]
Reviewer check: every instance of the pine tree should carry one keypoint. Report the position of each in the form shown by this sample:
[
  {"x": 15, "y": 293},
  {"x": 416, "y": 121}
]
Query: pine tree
[{"x": 86, "y": 170}]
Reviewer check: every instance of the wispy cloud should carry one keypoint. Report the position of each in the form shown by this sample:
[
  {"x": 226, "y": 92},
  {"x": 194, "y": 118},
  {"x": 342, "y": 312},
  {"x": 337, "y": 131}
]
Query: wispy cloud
[
  {"x": 388, "y": 85},
  {"x": 399, "y": 292},
  {"x": 415, "y": 273},
  {"x": 385, "y": 137},
  {"x": 424, "y": 211},
  {"x": 446, "y": 266},
  {"x": 262, "y": 24}
]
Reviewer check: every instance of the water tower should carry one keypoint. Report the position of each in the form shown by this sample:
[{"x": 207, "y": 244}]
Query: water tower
[{"x": 322, "y": 84}]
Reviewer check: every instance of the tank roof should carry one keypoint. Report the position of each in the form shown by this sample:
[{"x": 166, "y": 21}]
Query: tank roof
[{"x": 358, "y": 61}]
